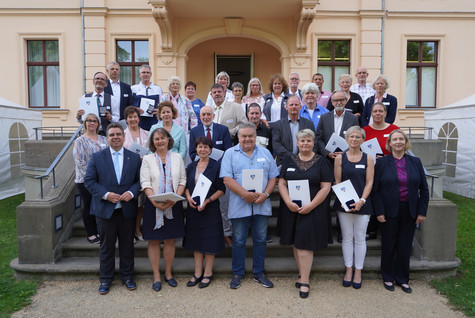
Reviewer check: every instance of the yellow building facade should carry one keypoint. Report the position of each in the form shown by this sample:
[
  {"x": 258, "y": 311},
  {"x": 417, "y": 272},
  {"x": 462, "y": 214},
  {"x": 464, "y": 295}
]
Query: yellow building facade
[{"x": 51, "y": 48}]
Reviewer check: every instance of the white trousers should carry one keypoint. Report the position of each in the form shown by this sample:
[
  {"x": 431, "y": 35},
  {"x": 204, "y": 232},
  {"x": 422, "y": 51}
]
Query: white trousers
[{"x": 353, "y": 230}]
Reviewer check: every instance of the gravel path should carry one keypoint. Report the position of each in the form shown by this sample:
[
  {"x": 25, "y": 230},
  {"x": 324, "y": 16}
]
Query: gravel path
[{"x": 327, "y": 299}]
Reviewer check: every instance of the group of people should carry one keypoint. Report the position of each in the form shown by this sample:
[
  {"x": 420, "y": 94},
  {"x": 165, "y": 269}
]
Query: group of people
[{"x": 279, "y": 138}]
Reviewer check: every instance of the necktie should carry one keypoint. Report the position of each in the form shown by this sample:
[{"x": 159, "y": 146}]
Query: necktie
[
  {"x": 117, "y": 166},
  {"x": 98, "y": 103},
  {"x": 208, "y": 134},
  {"x": 146, "y": 91}
]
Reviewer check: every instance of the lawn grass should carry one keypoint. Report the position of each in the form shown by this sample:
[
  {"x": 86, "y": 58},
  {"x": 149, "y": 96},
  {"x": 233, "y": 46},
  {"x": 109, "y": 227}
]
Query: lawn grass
[
  {"x": 460, "y": 290},
  {"x": 14, "y": 294}
]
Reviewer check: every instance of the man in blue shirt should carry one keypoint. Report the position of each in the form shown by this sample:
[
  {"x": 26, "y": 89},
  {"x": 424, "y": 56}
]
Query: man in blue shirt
[{"x": 249, "y": 208}]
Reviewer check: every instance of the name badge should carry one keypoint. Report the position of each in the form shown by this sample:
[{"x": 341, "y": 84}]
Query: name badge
[
  {"x": 386, "y": 135},
  {"x": 103, "y": 145},
  {"x": 126, "y": 95},
  {"x": 261, "y": 159},
  {"x": 344, "y": 133},
  {"x": 230, "y": 121},
  {"x": 290, "y": 169},
  {"x": 219, "y": 142},
  {"x": 356, "y": 101},
  {"x": 318, "y": 116},
  {"x": 324, "y": 96},
  {"x": 359, "y": 166},
  {"x": 386, "y": 103}
]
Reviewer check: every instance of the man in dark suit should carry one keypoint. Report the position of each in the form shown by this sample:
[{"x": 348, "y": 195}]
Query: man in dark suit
[
  {"x": 107, "y": 110},
  {"x": 337, "y": 121},
  {"x": 284, "y": 131},
  {"x": 219, "y": 133},
  {"x": 113, "y": 179},
  {"x": 121, "y": 92}
]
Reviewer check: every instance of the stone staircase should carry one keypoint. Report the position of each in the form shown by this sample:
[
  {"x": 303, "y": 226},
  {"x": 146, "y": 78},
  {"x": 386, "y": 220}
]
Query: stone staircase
[{"x": 79, "y": 259}]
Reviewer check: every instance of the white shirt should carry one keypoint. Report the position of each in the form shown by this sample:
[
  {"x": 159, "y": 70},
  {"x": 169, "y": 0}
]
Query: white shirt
[
  {"x": 141, "y": 89},
  {"x": 217, "y": 113},
  {"x": 115, "y": 86},
  {"x": 364, "y": 91},
  {"x": 338, "y": 121},
  {"x": 275, "y": 108}
]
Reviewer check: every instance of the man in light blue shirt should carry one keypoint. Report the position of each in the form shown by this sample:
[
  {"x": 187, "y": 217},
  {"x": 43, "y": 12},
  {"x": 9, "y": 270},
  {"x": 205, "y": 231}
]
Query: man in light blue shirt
[{"x": 247, "y": 208}]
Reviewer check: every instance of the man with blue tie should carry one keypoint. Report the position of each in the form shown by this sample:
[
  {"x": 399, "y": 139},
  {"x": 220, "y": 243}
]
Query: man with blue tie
[
  {"x": 113, "y": 179},
  {"x": 219, "y": 134}
]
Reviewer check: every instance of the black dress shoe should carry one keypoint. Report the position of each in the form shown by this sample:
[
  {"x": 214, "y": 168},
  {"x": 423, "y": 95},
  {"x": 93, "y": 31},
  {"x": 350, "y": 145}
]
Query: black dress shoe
[
  {"x": 346, "y": 283},
  {"x": 371, "y": 236},
  {"x": 104, "y": 288},
  {"x": 389, "y": 287},
  {"x": 172, "y": 281},
  {"x": 157, "y": 286},
  {"x": 204, "y": 285},
  {"x": 196, "y": 280},
  {"x": 130, "y": 284},
  {"x": 304, "y": 294},
  {"x": 407, "y": 289}
]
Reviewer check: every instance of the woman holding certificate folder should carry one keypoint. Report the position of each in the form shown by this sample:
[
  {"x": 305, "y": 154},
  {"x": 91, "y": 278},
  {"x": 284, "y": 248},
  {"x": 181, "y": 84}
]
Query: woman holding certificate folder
[
  {"x": 204, "y": 227},
  {"x": 358, "y": 167},
  {"x": 304, "y": 226},
  {"x": 162, "y": 171}
]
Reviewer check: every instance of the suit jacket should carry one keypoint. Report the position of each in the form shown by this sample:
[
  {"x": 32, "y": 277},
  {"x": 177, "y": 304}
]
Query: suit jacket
[
  {"x": 386, "y": 187},
  {"x": 282, "y": 142},
  {"x": 232, "y": 116},
  {"x": 268, "y": 101},
  {"x": 391, "y": 106},
  {"x": 326, "y": 127},
  {"x": 101, "y": 178},
  {"x": 221, "y": 138},
  {"x": 150, "y": 173},
  {"x": 126, "y": 97}
]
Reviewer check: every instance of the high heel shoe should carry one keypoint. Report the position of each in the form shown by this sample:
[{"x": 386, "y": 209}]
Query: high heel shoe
[{"x": 303, "y": 294}]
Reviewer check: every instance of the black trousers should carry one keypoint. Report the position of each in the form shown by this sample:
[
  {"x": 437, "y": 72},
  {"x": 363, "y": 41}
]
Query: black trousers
[
  {"x": 88, "y": 219},
  {"x": 397, "y": 234},
  {"x": 117, "y": 227}
]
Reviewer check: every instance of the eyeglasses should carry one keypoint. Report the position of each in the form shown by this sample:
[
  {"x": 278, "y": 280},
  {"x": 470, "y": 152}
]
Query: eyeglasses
[
  {"x": 145, "y": 72},
  {"x": 294, "y": 79},
  {"x": 339, "y": 100},
  {"x": 91, "y": 121},
  {"x": 100, "y": 79}
]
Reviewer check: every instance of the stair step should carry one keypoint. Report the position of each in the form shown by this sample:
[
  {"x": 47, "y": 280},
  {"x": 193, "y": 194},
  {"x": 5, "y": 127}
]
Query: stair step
[{"x": 82, "y": 268}]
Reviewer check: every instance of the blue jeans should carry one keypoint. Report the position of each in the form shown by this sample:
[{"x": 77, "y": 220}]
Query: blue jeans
[{"x": 259, "y": 234}]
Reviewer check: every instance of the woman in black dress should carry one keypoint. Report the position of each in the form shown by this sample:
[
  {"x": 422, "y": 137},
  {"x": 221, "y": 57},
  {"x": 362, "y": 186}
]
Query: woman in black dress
[
  {"x": 305, "y": 228},
  {"x": 204, "y": 227},
  {"x": 358, "y": 167},
  {"x": 162, "y": 171}
]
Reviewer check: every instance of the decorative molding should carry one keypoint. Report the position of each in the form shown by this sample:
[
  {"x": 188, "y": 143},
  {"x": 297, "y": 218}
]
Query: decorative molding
[
  {"x": 301, "y": 59},
  {"x": 166, "y": 58},
  {"x": 307, "y": 14},
  {"x": 164, "y": 20},
  {"x": 233, "y": 25}
]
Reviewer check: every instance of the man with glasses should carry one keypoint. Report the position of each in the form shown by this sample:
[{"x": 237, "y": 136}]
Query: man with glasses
[
  {"x": 149, "y": 91},
  {"x": 361, "y": 87},
  {"x": 108, "y": 111},
  {"x": 294, "y": 81}
]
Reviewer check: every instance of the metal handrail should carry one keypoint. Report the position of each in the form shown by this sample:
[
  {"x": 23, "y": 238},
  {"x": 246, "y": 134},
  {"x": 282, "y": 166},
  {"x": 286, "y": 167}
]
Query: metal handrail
[
  {"x": 411, "y": 128},
  {"x": 433, "y": 177},
  {"x": 62, "y": 130},
  {"x": 58, "y": 158}
]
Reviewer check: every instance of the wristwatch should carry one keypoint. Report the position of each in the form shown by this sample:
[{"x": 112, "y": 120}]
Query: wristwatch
[
  {"x": 267, "y": 194},
  {"x": 364, "y": 201}
]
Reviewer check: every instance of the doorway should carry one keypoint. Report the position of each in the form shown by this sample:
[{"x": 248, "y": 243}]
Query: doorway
[{"x": 240, "y": 68}]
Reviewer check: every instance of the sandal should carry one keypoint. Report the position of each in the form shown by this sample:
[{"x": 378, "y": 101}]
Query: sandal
[
  {"x": 196, "y": 280},
  {"x": 304, "y": 294},
  {"x": 204, "y": 285}
]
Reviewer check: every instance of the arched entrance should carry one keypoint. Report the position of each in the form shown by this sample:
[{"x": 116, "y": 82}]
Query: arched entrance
[{"x": 200, "y": 66}]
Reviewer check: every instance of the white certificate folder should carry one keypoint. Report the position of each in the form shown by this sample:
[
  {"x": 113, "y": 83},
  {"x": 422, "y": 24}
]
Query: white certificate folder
[
  {"x": 299, "y": 191},
  {"x": 336, "y": 143},
  {"x": 346, "y": 193},
  {"x": 252, "y": 179},
  {"x": 89, "y": 104},
  {"x": 201, "y": 189},
  {"x": 163, "y": 197},
  {"x": 135, "y": 147},
  {"x": 372, "y": 148}
]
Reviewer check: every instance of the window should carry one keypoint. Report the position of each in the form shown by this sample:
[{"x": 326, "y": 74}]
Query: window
[
  {"x": 43, "y": 73},
  {"x": 130, "y": 55},
  {"x": 421, "y": 73},
  {"x": 333, "y": 60}
]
